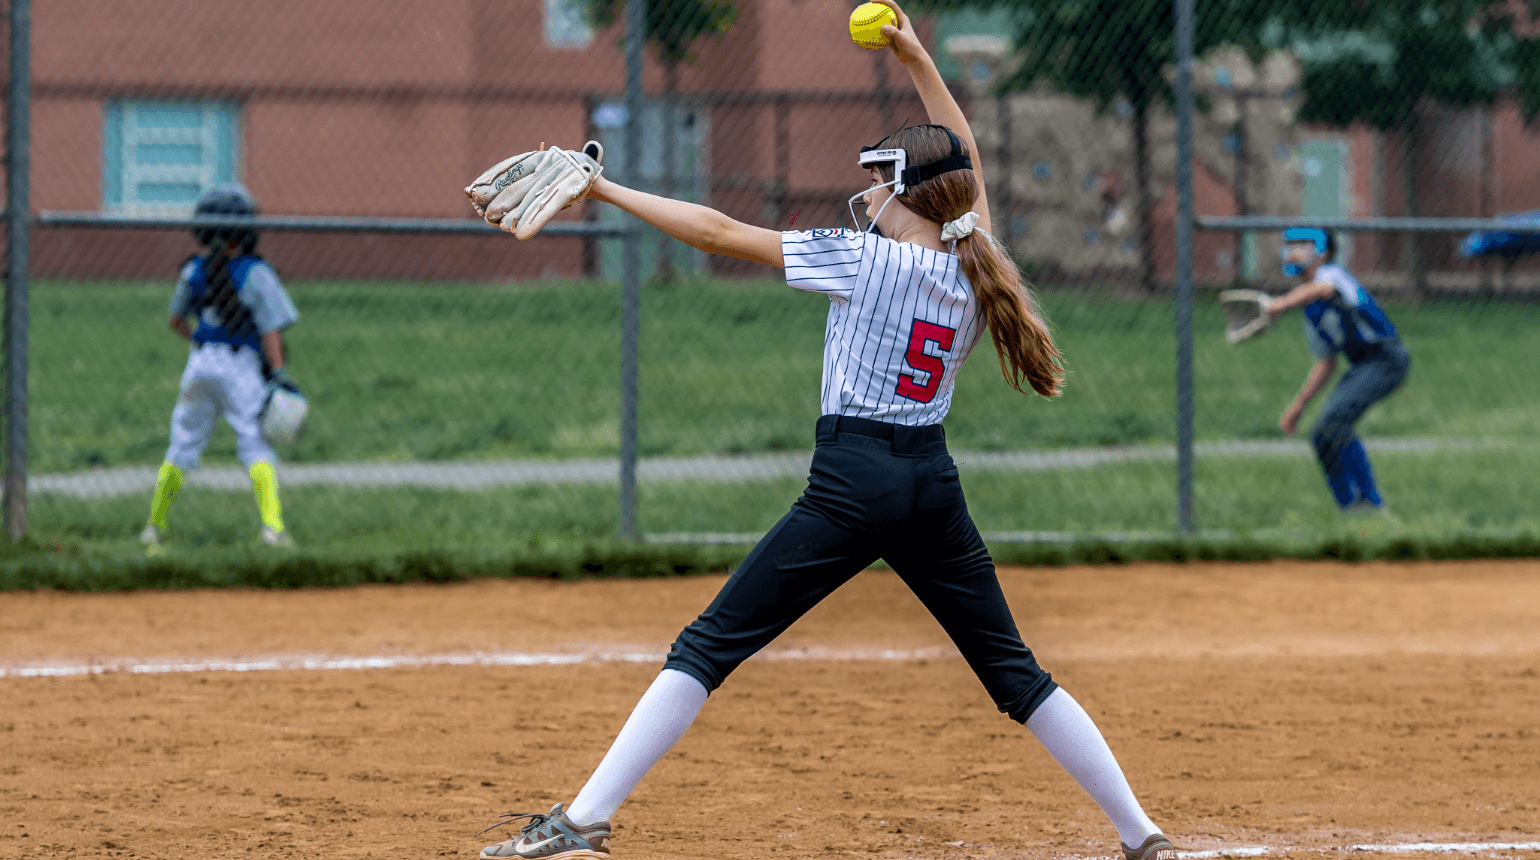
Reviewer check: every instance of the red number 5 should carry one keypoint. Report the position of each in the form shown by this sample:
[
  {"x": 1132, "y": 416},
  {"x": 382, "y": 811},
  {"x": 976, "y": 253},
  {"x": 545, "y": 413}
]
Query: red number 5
[{"x": 923, "y": 362}]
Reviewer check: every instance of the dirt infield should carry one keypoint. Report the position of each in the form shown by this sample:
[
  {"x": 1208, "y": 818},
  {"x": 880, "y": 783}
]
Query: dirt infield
[{"x": 1302, "y": 707}]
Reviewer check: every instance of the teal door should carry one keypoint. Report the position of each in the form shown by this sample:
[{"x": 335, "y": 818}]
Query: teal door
[
  {"x": 1323, "y": 164},
  {"x": 1325, "y": 169}
]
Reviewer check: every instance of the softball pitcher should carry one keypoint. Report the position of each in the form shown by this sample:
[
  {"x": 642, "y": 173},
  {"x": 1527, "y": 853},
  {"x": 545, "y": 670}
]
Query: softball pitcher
[
  {"x": 906, "y": 309},
  {"x": 1340, "y": 317},
  {"x": 233, "y": 308}
]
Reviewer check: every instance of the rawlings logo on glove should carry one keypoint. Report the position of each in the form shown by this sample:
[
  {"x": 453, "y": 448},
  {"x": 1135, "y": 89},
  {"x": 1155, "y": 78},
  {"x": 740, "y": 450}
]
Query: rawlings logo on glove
[{"x": 520, "y": 194}]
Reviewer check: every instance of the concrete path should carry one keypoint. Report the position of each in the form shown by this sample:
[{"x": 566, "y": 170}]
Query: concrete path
[{"x": 484, "y": 474}]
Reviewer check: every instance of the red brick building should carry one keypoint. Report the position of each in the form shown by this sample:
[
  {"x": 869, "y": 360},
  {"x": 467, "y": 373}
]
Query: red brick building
[{"x": 389, "y": 108}]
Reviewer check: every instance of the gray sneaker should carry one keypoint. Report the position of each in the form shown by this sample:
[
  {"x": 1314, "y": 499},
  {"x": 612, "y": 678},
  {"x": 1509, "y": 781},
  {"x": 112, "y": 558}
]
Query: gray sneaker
[
  {"x": 552, "y": 836},
  {"x": 1157, "y": 847}
]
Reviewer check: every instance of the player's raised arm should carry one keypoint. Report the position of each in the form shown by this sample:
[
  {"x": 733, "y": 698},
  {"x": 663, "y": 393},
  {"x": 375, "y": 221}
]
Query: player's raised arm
[
  {"x": 939, "y": 104},
  {"x": 700, "y": 227}
]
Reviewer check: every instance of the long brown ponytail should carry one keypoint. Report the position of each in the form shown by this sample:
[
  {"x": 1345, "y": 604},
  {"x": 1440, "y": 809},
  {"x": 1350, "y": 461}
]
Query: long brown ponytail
[
  {"x": 1025, "y": 348},
  {"x": 1021, "y": 337}
]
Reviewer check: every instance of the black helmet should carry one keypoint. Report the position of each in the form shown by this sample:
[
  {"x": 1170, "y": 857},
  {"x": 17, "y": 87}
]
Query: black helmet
[{"x": 231, "y": 198}]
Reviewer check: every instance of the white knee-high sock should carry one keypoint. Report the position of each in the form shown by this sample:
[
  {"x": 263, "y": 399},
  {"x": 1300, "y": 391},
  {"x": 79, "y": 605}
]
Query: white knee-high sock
[
  {"x": 658, "y": 722},
  {"x": 1066, "y": 730}
]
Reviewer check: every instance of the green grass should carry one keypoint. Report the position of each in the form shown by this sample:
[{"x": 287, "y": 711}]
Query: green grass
[
  {"x": 1461, "y": 491},
  {"x": 408, "y": 371}
]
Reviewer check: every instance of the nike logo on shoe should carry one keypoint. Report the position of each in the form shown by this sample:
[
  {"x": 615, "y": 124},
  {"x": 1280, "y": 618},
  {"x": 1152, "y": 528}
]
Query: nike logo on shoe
[{"x": 531, "y": 847}]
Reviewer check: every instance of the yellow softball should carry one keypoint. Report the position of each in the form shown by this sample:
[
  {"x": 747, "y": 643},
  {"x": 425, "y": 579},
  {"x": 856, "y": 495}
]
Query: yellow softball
[{"x": 866, "y": 25}]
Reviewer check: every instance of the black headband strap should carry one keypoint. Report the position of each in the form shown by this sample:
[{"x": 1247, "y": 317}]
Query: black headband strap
[
  {"x": 915, "y": 175},
  {"x": 918, "y": 173}
]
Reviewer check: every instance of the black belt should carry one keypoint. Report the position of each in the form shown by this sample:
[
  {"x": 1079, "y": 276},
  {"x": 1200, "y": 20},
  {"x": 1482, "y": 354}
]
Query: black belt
[
  {"x": 234, "y": 347},
  {"x": 905, "y": 438}
]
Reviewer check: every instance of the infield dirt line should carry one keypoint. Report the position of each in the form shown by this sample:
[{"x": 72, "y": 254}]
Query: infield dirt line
[
  {"x": 1360, "y": 848},
  {"x": 332, "y": 662}
]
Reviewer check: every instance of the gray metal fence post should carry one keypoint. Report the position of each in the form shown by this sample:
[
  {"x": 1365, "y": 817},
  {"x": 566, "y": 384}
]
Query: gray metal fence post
[
  {"x": 19, "y": 208},
  {"x": 630, "y": 276},
  {"x": 1184, "y": 288}
]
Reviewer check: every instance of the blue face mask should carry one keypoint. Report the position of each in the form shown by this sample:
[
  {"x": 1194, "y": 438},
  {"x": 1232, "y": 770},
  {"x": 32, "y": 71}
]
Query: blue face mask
[{"x": 1301, "y": 234}]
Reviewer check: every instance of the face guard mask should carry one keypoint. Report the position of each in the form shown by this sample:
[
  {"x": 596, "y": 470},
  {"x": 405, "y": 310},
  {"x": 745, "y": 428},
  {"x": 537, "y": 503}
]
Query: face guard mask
[
  {"x": 1301, "y": 234},
  {"x": 871, "y": 157},
  {"x": 904, "y": 175}
]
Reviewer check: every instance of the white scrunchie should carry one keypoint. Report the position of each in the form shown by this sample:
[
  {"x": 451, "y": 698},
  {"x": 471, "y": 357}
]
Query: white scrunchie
[{"x": 951, "y": 231}]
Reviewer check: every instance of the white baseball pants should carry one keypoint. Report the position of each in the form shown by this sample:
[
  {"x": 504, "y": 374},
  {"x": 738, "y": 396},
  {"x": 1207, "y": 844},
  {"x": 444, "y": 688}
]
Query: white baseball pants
[{"x": 219, "y": 381}]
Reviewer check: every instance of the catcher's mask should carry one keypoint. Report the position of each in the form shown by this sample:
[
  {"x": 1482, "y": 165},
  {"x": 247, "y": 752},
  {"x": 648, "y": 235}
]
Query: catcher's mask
[
  {"x": 231, "y": 198},
  {"x": 1319, "y": 238},
  {"x": 906, "y": 175}
]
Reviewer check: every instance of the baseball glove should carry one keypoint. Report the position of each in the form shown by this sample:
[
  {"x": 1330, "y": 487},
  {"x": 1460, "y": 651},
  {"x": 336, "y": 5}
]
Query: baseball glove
[
  {"x": 284, "y": 410},
  {"x": 1246, "y": 313},
  {"x": 519, "y": 195}
]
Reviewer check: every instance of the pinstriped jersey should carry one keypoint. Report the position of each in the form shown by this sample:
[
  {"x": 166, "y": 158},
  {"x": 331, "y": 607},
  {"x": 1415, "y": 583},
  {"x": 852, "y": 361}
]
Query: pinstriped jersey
[{"x": 902, "y": 320}]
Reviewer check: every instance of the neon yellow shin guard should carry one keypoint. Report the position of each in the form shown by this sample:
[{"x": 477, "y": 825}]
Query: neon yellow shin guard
[
  {"x": 264, "y": 484},
  {"x": 167, "y": 485}
]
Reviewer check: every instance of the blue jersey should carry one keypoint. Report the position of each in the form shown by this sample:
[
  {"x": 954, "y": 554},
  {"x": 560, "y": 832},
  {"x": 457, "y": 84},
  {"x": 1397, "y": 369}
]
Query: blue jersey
[
  {"x": 261, "y": 303},
  {"x": 1349, "y": 322}
]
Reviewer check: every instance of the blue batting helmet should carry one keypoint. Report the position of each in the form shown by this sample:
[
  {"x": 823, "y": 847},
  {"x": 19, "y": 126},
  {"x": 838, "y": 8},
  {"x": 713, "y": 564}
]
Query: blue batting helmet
[{"x": 1325, "y": 245}]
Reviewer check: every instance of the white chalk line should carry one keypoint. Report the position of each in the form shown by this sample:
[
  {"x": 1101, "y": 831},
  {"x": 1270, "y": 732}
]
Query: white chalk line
[
  {"x": 332, "y": 663},
  {"x": 1359, "y": 848}
]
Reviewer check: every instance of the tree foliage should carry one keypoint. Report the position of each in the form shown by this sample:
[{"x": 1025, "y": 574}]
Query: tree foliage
[
  {"x": 1373, "y": 62},
  {"x": 672, "y": 27},
  {"x": 1107, "y": 51}
]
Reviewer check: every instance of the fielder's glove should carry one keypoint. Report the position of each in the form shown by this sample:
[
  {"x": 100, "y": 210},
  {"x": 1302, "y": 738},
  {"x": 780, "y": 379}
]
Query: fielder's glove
[
  {"x": 284, "y": 410},
  {"x": 519, "y": 195}
]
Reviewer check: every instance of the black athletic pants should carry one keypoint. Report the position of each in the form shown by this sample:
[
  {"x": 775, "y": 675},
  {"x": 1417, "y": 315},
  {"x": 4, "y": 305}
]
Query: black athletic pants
[{"x": 876, "y": 490}]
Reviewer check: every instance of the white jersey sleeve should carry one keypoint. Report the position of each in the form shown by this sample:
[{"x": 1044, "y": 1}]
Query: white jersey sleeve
[
  {"x": 823, "y": 261},
  {"x": 1345, "y": 284}
]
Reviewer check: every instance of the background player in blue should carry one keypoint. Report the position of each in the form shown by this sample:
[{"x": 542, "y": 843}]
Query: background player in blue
[
  {"x": 1340, "y": 318},
  {"x": 904, "y": 313},
  {"x": 233, "y": 308}
]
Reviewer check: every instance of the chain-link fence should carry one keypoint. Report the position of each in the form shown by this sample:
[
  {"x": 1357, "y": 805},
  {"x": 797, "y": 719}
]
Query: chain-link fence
[{"x": 467, "y": 391}]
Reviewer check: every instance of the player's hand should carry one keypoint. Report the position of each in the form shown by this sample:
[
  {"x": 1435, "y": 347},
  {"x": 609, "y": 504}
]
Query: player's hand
[
  {"x": 904, "y": 41},
  {"x": 279, "y": 377},
  {"x": 1290, "y": 420}
]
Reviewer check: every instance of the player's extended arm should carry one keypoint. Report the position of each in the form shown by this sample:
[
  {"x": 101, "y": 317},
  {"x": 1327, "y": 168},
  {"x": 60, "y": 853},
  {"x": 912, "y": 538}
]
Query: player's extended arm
[
  {"x": 272, "y": 349},
  {"x": 1300, "y": 296},
  {"x": 181, "y": 326},
  {"x": 700, "y": 227},
  {"x": 1320, "y": 372},
  {"x": 940, "y": 107}
]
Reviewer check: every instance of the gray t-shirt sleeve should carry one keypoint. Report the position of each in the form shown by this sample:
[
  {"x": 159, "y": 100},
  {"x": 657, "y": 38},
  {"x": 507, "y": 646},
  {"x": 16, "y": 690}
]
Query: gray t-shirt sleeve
[
  {"x": 271, "y": 307},
  {"x": 1318, "y": 345},
  {"x": 183, "y": 294}
]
